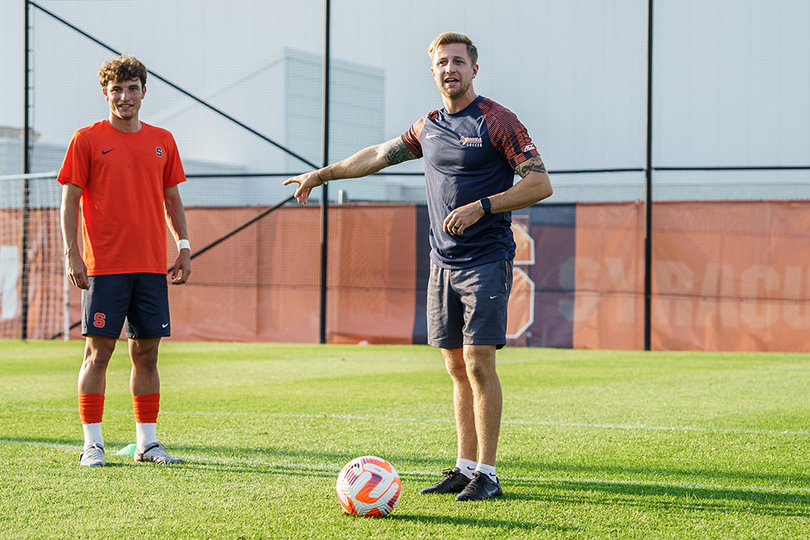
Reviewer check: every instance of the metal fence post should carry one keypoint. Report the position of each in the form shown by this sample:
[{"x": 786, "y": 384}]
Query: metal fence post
[{"x": 26, "y": 169}]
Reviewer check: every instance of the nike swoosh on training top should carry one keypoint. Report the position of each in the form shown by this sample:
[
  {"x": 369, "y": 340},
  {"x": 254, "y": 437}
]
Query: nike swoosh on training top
[
  {"x": 107, "y": 151},
  {"x": 431, "y": 135},
  {"x": 165, "y": 325}
]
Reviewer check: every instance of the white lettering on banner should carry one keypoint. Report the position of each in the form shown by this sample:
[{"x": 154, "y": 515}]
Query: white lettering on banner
[
  {"x": 588, "y": 297},
  {"x": 586, "y": 287},
  {"x": 796, "y": 316},
  {"x": 752, "y": 314},
  {"x": 718, "y": 281},
  {"x": 764, "y": 298},
  {"x": 677, "y": 279},
  {"x": 9, "y": 271},
  {"x": 622, "y": 280}
]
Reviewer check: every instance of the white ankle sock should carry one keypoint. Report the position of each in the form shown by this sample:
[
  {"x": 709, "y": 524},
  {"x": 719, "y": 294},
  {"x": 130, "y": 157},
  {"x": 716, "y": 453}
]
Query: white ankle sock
[
  {"x": 145, "y": 434},
  {"x": 466, "y": 467},
  {"x": 92, "y": 434},
  {"x": 489, "y": 470}
]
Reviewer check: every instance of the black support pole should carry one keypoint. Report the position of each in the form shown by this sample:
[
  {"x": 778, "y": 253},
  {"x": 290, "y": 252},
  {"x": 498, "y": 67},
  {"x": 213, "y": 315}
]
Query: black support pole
[
  {"x": 325, "y": 191},
  {"x": 648, "y": 200},
  {"x": 26, "y": 169}
]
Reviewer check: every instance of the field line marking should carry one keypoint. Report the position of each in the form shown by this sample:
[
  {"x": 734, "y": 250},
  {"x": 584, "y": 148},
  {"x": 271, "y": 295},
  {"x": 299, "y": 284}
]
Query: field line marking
[
  {"x": 651, "y": 483},
  {"x": 626, "y": 427},
  {"x": 41, "y": 444},
  {"x": 659, "y": 428},
  {"x": 334, "y": 468}
]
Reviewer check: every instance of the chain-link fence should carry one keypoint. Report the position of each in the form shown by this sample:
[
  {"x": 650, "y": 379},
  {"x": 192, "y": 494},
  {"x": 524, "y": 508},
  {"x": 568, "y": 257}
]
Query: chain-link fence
[{"x": 240, "y": 87}]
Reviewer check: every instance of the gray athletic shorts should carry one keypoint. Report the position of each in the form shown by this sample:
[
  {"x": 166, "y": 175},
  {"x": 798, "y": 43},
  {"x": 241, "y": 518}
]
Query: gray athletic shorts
[
  {"x": 142, "y": 300},
  {"x": 468, "y": 306}
]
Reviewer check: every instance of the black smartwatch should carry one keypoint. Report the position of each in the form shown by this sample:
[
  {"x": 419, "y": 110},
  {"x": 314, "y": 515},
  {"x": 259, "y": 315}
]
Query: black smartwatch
[{"x": 486, "y": 206}]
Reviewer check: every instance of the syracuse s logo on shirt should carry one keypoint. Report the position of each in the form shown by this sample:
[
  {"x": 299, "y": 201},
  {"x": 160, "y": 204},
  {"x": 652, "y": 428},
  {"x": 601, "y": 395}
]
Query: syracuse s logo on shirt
[{"x": 159, "y": 151}]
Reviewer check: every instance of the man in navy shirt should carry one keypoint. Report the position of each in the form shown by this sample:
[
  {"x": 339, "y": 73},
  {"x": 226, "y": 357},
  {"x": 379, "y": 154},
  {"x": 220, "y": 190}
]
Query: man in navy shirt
[{"x": 472, "y": 149}]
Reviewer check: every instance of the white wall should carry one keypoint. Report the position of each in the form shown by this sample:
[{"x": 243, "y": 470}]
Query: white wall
[{"x": 730, "y": 77}]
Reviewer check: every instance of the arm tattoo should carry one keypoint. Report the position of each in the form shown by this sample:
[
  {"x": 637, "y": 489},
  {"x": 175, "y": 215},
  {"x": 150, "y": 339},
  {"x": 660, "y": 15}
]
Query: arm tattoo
[
  {"x": 396, "y": 152},
  {"x": 534, "y": 164}
]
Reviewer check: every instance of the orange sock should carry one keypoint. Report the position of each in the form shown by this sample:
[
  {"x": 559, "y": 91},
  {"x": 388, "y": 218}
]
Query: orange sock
[
  {"x": 91, "y": 408},
  {"x": 146, "y": 408}
]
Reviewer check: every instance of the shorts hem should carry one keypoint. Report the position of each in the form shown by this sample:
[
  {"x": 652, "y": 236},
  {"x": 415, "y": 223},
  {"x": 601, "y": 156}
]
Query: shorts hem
[
  {"x": 102, "y": 334},
  {"x": 149, "y": 337},
  {"x": 498, "y": 344},
  {"x": 456, "y": 345}
]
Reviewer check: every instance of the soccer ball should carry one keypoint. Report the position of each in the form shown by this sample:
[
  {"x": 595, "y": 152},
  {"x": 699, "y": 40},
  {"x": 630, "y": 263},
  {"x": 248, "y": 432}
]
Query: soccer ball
[{"x": 368, "y": 486}]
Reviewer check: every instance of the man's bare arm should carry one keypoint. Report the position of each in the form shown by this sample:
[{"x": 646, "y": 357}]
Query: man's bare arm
[
  {"x": 534, "y": 186},
  {"x": 76, "y": 269},
  {"x": 534, "y": 164},
  {"x": 365, "y": 162},
  {"x": 176, "y": 219},
  {"x": 395, "y": 152}
]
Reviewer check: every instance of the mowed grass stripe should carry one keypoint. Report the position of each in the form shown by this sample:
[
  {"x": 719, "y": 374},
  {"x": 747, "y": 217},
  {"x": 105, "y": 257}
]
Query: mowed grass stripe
[
  {"x": 443, "y": 420},
  {"x": 192, "y": 459}
]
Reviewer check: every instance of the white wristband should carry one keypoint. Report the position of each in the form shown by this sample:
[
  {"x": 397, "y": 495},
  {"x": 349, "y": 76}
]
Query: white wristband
[{"x": 183, "y": 244}]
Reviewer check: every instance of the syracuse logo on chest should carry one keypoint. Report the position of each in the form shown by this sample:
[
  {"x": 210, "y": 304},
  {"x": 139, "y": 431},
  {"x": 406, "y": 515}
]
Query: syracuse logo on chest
[{"x": 471, "y": 142}]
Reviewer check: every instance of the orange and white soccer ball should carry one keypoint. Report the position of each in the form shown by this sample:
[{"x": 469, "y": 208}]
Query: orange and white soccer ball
[{"x": 368, "y": 486}]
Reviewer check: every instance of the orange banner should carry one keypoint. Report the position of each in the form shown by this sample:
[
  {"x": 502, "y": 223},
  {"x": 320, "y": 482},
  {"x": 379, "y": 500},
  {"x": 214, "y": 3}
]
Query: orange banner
[
  {"x": 609, "y": 276},
  {"x": 731, "y": 276},
  {"x": 274, "y": 294},
  {"x": 727, "y": 276}
]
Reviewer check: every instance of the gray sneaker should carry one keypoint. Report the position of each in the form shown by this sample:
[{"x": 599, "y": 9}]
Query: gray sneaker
[
  {"x": 93, "y": 456},
  {"x": 156, "y": 453}
]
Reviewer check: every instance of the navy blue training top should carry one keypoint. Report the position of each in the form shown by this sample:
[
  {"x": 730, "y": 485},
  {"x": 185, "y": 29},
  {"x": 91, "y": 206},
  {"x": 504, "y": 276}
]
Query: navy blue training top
[{"x": 469, "y": 155}]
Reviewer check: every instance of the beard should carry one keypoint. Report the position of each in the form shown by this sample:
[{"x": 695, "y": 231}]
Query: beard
[{"x": 456, "y": 92}]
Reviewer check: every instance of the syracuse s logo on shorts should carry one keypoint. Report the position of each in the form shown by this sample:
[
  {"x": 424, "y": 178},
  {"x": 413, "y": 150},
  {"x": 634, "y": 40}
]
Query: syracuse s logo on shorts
[{"x": 99, "y": 320}]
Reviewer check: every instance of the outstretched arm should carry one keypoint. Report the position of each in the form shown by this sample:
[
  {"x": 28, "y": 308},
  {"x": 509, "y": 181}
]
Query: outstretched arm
[
  {"x": 176, "y": 219},
  {"x": 533, "y": 187},
  {"x": 365, "y": 162}
]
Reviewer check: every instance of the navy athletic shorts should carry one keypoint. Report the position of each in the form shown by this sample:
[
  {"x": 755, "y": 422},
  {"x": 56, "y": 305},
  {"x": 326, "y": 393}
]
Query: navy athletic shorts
[
  {"x": 140, "y": 300},
  {"x": 468, "y": 306}
]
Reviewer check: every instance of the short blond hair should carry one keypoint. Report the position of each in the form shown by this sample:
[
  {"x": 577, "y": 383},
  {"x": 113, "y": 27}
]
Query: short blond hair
[
  {"x": 454, "y": 37},
  {"x": 123, "y": 68}
]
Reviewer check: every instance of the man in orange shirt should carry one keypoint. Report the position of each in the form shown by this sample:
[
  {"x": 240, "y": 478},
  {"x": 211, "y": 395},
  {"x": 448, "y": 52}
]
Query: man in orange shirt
[{"x": 122, "y": 175}]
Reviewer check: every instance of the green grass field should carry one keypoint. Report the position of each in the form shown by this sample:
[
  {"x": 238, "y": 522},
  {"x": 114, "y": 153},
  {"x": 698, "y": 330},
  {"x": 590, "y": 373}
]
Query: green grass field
[{"x": 594, "y": 444}]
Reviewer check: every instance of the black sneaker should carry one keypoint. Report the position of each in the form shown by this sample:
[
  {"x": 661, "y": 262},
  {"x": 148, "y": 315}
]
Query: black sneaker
[
  {"x": 480, "y": 487},
  {"x": 453, "y": 482}
]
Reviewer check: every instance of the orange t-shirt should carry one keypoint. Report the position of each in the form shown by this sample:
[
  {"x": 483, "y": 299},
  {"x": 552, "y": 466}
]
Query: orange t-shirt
[{"x": 123, "y": 214}]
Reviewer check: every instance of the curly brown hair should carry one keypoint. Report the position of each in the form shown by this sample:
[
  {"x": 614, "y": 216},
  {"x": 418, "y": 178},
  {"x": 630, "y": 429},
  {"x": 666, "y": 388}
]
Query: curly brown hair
[
  {"x": 123, "y": 68},
  {"x": 448, "y": 38}
]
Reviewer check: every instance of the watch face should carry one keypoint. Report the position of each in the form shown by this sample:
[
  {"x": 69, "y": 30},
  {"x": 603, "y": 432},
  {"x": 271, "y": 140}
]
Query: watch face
[{"x": 486, "y": 205}]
